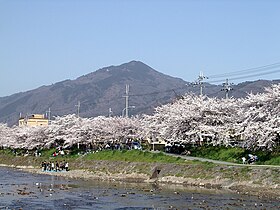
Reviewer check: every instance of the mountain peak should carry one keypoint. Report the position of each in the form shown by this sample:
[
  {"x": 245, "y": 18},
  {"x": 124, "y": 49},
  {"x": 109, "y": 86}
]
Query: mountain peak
[
  {"x": 100, "y": 90},
  {"x": 133, "y": 63},
  {"x": 97, "y": 92}
]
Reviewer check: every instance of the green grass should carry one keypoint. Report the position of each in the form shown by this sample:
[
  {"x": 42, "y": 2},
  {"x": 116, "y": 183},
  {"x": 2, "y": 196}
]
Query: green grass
[
  {"x": 219, "y": 153},
  {"x": 235, "y": 155},
  {"x": 46, "y": 153},
  {"x": 133, "y": 156},
  {"x": 7, "y": 152},
  {"x": 113, "y": 155},
  {"x": 272, "y": 161},
  {"x": 178, "y": 167}
]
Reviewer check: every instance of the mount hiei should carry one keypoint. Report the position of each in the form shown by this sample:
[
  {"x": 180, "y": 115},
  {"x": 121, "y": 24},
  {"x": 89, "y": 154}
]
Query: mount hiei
[{"x": 104, "y": 90}]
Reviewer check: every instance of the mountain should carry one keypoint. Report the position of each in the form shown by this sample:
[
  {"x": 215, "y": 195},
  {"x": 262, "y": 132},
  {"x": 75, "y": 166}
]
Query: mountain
[
  {"x": 105, "y": 88},
  {"x": 241, "y": 90},
  {"x": 258, "y": 86},
  {"x": 97, "y": 92}
]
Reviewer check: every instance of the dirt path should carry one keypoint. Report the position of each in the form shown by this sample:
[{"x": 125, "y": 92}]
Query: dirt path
[{"x": 220, "y": 162}]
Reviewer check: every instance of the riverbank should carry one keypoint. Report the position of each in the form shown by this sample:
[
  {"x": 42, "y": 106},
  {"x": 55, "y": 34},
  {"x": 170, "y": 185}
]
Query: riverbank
[
  {"x": 143, "y": 166},
  {"x": 23, "y": 190},
  {"x": 263, "y": 182}
]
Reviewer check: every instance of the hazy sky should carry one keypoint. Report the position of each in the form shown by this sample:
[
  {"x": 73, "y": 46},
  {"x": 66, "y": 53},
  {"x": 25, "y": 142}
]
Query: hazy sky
[{"x": 46, "y": 41}]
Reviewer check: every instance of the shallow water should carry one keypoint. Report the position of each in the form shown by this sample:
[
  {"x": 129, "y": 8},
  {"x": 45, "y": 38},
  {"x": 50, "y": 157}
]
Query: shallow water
[{"x": 23, "y": 190}]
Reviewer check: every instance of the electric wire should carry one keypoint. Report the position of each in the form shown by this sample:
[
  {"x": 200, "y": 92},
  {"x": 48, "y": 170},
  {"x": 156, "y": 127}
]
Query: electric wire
[
  {"x": 247, "y": 71},
  {"x": 245, "y": 76}
]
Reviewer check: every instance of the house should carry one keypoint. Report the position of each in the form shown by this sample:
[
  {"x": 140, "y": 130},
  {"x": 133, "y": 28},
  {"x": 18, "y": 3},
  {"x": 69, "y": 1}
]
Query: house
[{"x": 33, "y": 120}]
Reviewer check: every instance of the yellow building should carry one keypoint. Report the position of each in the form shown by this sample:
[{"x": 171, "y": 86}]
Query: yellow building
[{"x": 33, "y": 120}]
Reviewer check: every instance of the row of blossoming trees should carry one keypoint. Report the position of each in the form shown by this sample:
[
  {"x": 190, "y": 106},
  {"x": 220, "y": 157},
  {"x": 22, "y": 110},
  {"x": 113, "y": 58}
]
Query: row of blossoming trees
[{"x": 252, "y": 122}]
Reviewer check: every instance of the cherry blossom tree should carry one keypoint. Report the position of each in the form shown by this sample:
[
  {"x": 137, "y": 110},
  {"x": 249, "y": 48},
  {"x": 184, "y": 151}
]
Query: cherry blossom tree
[{"x": 252, "y": 122}]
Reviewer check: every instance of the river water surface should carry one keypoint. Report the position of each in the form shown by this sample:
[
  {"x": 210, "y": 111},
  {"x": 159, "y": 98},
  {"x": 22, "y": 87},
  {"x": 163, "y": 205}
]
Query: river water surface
[{"x": 22, "y": 190}]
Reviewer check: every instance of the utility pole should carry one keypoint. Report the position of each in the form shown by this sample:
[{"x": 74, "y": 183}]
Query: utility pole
[
  {"x": 78, "y": 108},
  {"x": 226, "y": 88},
  {"x": 110, "y": 112},
  {"x": 127, "y": 107},
  {"x": 49, "y": 115},
  {"x": 126, "y": 99},
  {"x": 200, "y": 79}
]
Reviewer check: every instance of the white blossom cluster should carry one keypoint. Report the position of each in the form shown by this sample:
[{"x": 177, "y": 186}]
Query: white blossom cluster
[
  {"x": 69, "y": 130},
  {"x": 252, "y": 122}
]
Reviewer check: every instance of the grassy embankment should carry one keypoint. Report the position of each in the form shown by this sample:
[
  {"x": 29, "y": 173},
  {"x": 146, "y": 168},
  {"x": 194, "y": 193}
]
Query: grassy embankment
[
  {"x": 234, "y": 155},
  {"x": 135, "y": 165},
  {"x": 143, "y": 162}
]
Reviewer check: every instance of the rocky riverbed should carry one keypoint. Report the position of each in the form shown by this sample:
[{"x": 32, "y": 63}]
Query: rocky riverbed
[
  {"x": 259, "y": 181},
  {"x": 262, "y": 182},
  {"x": 55, "y": 190}
]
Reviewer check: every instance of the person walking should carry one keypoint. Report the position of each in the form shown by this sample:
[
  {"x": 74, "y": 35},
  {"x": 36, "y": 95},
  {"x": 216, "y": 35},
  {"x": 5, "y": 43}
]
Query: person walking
[
  {"x": 56, "y": 166},
  {"x": 66, "y": 166},
  {"x": 243, "y": 160}
]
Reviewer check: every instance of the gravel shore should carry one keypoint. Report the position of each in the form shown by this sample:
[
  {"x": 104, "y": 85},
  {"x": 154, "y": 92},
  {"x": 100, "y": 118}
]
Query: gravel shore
[{"x": 259, "y": 182}]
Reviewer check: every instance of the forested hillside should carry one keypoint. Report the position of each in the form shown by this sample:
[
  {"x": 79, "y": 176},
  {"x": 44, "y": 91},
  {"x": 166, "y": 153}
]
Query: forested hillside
[{"x": 103, "y": 90}]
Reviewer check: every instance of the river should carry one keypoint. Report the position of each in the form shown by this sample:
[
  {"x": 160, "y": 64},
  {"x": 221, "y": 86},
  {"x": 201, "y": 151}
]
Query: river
[{"x": 22, "y": 190}]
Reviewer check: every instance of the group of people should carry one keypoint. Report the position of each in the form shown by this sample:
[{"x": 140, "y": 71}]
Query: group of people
[
  {"x": 59, "y": 151},
  {"x": 55, "y": 166},
  {"x": 251, "y": 159}
]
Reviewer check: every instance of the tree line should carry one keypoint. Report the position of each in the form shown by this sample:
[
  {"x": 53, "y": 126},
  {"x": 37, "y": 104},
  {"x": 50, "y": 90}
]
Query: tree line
[{"x": 251, "y": 122}]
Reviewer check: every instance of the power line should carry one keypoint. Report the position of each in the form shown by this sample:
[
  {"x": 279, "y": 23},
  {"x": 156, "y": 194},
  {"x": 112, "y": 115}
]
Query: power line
[
  {"x": 241, "y": 74},
  {"x": 247, "y": 71},
  {"x": 63, "y": 109},
  {"x": 247, "y": 76},
  {"x": 159, "y": 92}
]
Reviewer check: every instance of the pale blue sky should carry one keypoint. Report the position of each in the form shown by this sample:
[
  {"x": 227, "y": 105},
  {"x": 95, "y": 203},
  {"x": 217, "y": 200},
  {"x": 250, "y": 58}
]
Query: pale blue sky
[{"x": 46, "y": 41}]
